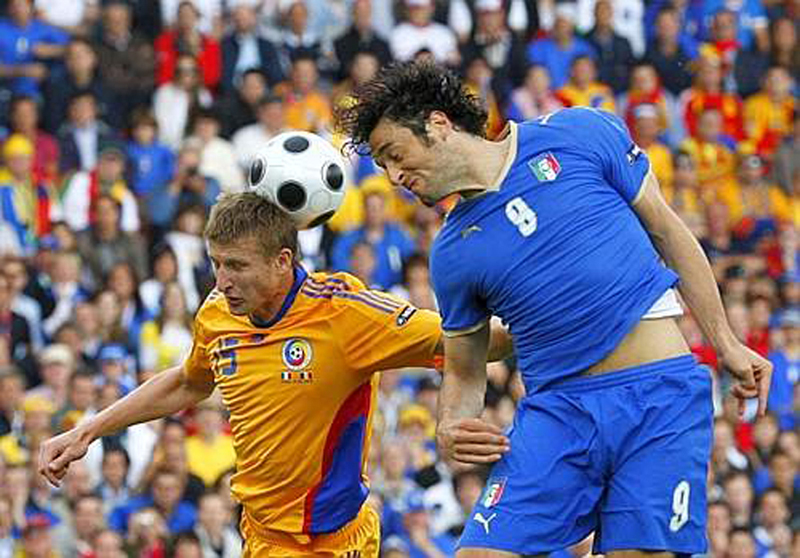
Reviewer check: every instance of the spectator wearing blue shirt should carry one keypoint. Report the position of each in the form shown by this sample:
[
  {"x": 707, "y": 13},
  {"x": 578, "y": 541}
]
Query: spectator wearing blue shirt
[
  {"x": 188, "y": 186},
  {"x": 752, "y": 22},
  {"x": 26, "y": 45},
  {"x": 417, "y": 535},
  {"x": 152, "y": 163},
  {"x": 557, "y": 52},
  {"x": 165, "y": 496},
  {"x": 390, "y": 242},
  {"x": 786, "y": 373}
]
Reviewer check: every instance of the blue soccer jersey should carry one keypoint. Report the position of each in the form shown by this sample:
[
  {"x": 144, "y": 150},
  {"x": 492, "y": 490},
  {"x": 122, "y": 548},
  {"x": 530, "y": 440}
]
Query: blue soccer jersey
[{"x": 556, "y": 251}]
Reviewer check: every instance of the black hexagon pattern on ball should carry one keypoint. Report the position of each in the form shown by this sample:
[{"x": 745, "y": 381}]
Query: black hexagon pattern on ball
[
  {"x": 334, "y": 177},
  {"x": 296, "y": 144},
  {"x": 291, "y": 195},
  {"x": 321, "y": 218},
  {"x": 257, "y": 171}
]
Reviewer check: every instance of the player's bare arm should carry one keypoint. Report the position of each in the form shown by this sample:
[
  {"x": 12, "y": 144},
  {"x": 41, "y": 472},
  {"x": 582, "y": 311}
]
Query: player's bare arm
[
  {"x": 501, "y": 344},
  {"x": 164, "y": 394},
  {"x": 682, "y": 252},
  {"x": 461, "y": 435}
]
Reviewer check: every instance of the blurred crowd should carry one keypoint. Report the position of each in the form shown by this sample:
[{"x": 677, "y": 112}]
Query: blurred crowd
[{"x": 122, "y": 120}]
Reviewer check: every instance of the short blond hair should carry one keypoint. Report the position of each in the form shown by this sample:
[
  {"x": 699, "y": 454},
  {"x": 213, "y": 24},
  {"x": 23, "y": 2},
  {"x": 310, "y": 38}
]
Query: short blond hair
[{"x": 246, "y": 214}]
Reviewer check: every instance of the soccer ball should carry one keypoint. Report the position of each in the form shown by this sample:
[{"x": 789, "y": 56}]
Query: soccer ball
[{"x": 301, "y": 173}]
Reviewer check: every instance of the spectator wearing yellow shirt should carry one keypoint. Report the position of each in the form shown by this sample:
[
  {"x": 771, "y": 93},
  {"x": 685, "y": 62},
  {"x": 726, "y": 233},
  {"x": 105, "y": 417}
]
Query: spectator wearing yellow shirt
[
  {"x": 753, "y": 197},
  {"x": 167, "y": 340},
  {"x": 306, "y": 107},
  {"x": 210, "y": 451},
  {"x": 715, "y": 162},
  {"x": 583, "y": 89},
  {"x": 646, "y": 127},
  {"x": 769, "y": 113},
  {"x": 684, "y": 194}
]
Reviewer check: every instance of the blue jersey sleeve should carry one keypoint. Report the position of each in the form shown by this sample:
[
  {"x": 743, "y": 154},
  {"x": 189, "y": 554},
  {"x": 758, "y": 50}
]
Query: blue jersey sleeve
[
  {"x": 623, "y": 163},
  {"x": 462, "y": 307}
]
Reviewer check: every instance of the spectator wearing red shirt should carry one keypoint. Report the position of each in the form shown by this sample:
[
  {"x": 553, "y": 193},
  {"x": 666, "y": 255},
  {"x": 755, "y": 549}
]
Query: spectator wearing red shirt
[
  {"x": 186, "y": 39},
  {"x": 707, "y": 93}
]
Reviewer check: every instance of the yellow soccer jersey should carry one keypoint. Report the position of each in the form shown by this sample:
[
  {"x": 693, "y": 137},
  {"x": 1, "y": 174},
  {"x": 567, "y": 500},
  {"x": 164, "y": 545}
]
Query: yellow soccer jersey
[{"x": 301, "y": 392}]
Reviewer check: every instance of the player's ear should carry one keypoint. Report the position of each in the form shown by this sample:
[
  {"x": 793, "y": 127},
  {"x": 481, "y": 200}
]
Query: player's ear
[
  {"x": 285, "y": 260},
  {"x": 438, "y": 125}
]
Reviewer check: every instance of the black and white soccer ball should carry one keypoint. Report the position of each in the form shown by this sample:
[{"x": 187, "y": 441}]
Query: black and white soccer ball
[{"x": 303, "y": 174}]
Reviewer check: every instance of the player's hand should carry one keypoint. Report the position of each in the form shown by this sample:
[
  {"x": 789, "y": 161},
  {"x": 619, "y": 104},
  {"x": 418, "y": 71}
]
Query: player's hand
[
  {"x": 471, "y": 441},
  {"x": 57, "y": 453},
  {"x": 752, "y": 376}
]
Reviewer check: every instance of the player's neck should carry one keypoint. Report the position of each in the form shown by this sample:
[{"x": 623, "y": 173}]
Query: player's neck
[
  {"x": 267, "y": 312},
  {"x": 487, "y": 163}
]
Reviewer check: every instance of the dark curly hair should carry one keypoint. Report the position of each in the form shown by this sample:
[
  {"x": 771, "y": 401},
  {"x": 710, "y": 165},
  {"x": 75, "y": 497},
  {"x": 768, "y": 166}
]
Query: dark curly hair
[{"x": 407, "y": 93}]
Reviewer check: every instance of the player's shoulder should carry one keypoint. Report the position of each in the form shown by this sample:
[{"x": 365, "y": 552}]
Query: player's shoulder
[{"x": 344, "y": 294}]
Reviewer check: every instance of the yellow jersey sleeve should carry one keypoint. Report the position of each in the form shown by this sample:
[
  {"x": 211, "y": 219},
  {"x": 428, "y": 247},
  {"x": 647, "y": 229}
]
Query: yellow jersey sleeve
[
  {"x": 197, "y": 366},
  {"x": 378, "y": 331}
]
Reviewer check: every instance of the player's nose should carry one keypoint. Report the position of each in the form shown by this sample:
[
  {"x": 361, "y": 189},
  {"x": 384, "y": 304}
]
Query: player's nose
[{"x": 395, "y": 174}]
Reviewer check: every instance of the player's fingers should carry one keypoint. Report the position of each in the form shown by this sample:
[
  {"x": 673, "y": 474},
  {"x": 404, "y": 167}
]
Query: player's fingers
[
  {"x": 764, "y": 381},
  {"x": 480, "y": 438},
  {"x": 478, "y": 425},
  {"x": 476, "y": 459},
  {"x": 480, "y": 449}
]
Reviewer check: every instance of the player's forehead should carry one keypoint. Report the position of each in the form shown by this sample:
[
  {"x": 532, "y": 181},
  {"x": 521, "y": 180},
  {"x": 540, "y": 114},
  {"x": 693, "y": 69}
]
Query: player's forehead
[
  {"x": 386, "y": 134},
  {"x": 246, "y": 248}
]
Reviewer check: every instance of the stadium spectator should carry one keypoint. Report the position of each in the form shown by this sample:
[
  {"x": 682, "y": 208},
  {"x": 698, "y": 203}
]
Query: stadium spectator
[
  {"x": 768, "y": 114},
  {"x": 361, "y": 37},
  {"x": 28, "y": 45},
  {"x": 105, "y": 243},
  {"x": 240, "y": 102},
  {"x": 389, "y": 240},
  {"x": 213, "y": 529},
  {"x": 787, "y": 158},
  {"x": 713, "y": 159},
  {"x": 645, "y": 132},
  {"x": 558, "y": 51},
  {"x": 24, "y": 119},
  {"x": 164, "y": 497},
  {"x": 16, "y": 272},
  {"x": 670, "y": 53},
  {"x": 707, "y": 93},
  {"x": 27, "y": 205},
  {"x": 217, "y": 157},
  {"x": 210, "y": 450},
  {"x": 56, "y": 366},
  {"x": 306, "y": 107},
  {"x": 174, "y": 101},
  {"x": 270, "y": 122},
  {"x": 65, "y": 289},
  {"x": 187, "y": 186},
  {"x": 646, "y": 89},
  {"x": 113, "y": 488},
  {"x": 583, "y": 89},
  {"x": 82, "y": 190},
  {"x": 12, "y": 393},
  {"x": 534, "y": 98},
  {"x": 361, "y": 69},
  {"x": 83, "y": 134},
  {"x": 108, "y": 544},
  {"x": 151, "y": 162},
  {"x": 420, "y": 32},
  {"x": 186, "y": 39},
  {"x": 614, "y": 54},
  {"x": 73, "y": 17},
  {"x": 243, "y": 49},
  {"x": 80, "y": 61},
  {"x": 165, "y": 341},
  {"x": 126, "y": 60},
  {"x": 478, "y": 81},
  {"x": 502, "y": 49}
]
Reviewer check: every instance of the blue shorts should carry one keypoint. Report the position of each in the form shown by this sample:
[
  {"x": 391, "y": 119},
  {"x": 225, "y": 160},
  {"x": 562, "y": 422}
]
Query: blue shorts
[{"x": 623, "y": 454}]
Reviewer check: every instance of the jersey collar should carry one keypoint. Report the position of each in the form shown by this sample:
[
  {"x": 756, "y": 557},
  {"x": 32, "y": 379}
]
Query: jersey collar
[{"x": 300, "y": 275}]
